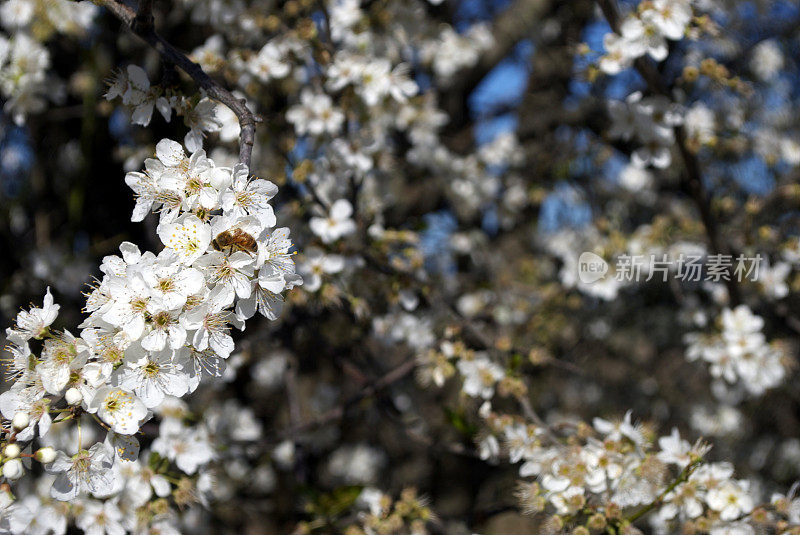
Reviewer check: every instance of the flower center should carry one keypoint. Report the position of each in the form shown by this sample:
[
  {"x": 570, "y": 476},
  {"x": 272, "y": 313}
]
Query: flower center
[
  {"x": 166, "y": 285},
  {"x": 162, "y": 320},
  {"x": 139, "y": 305},
  {"x": 151, "y": 369}
]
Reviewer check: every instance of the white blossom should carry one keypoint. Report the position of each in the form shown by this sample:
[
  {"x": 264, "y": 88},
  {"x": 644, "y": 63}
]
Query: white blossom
[
  {"x": 88, "y": 471},
  {"x": 118, "y": 408},
  {"x": 338, "y": 223}
]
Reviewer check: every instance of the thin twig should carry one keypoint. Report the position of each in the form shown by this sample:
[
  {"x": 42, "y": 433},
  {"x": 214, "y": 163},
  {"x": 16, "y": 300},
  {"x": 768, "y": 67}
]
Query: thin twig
[
  {"x": 531, "y": 415},
  {"x": 247, "y": 120},
  {"x": 682, "y": 477},
  {"x": 369, "y": 390}
]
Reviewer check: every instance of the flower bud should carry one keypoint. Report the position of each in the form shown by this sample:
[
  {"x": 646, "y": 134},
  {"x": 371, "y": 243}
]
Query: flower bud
[
  {"x": 20, "y": 421},
  {"x": 73, "y": 396},
  {"x": 596, "y": 522},
  {"x": 13, "y": 469},
  {"x": 45, "y": 455},
  {"x": 11, "y": 451}
]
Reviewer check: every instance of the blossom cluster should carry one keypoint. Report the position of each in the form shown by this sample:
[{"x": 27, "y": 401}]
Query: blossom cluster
[
  {"x": 157, "y": 324},
  {"x": 597, "y": 482},
  {"x": 133, "y": 88},
  {"x": 603, "y": 475},
  {"x": 23, "y": 63},
  {"x": 25, "y": 81},
  {"x": 408, "y": 514},
  {"x": 648, "y": 121},
  {"x": 646, "y": 33},
  {"x": 118, "y": 491},
  {"x": 452, "y": 51},
  {"x": 739, "y": 352}
]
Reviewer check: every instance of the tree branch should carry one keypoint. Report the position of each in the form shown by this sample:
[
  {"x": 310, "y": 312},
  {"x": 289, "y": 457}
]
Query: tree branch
[
  {"x": 247, "y": 120},
  {"x": 337, "y": 413},
  {"x": 143, "y": 21},
  {"x": 509, "y": 28}
]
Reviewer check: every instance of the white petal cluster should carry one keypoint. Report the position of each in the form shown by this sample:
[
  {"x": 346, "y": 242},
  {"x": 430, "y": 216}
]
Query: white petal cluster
[
  {"x": 739, "y": 353},
  {"x": 23, "y": 77},
  {"x": 452, "y": 51},
  {"x": 157, "y": 323},
  {"x": 63, "y": 16},
  {"x": 337, "y": 224},
  {"x": 648, "y": 121},
  {"x": 646, "y": 33},
  {"x": 712, "y": 488},
  {"x": 133, "y": 88},
  {"x": 480, "y": 376},
  {"x": 611, "y": 465},
  {"x": 622, "y": 468},
  {"x": 315, "y": 115},
  {"x": 269, "y": 63},
  {"x": 25, "y": 84},
  {"x": 317, "y": 264},
  {"x": 372, "y": 78},
  {"x": 88, "y": 471}
]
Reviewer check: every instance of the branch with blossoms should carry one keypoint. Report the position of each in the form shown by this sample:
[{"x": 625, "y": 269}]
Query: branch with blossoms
[
  {"x": 158, "y": 324},
  {"x": 141, "y": 24},
  {"x": 672, "y": 20},
  {"x": 638, "y": 40}
]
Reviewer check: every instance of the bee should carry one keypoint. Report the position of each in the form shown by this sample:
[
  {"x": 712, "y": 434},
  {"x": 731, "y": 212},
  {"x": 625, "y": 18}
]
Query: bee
[{"x": 235, "y": 240}]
